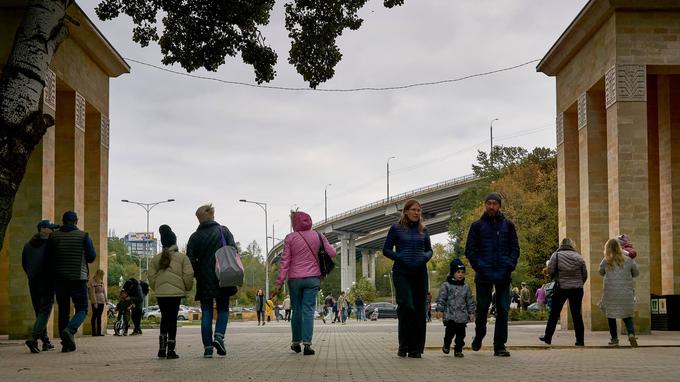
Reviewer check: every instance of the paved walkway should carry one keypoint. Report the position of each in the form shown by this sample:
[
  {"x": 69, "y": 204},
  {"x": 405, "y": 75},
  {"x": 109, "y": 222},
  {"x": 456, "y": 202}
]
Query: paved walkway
[{"x": 352, "y": 352}]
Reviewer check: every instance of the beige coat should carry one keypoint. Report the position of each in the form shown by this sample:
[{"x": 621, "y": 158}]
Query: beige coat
[{"x": 176, "y": 280}]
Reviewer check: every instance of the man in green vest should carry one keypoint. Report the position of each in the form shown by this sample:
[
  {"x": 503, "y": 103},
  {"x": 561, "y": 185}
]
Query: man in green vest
[{"x": 70, "y": 250}]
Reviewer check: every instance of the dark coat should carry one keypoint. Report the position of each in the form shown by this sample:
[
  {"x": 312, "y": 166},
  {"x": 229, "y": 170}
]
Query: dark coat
[
  {"x": 201, "y": 250},
  {"x": 409, "y": 249},
  {"x": 35, "y": 260},
  {"x": 492, "y": 248}
]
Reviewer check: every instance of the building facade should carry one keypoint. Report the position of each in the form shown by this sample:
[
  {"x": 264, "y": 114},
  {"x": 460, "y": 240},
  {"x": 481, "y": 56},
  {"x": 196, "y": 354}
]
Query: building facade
[
  {"x": 617, "y": 71},
  {"x": 141, "y": 243},
  {"x": 68, "y": 170}
]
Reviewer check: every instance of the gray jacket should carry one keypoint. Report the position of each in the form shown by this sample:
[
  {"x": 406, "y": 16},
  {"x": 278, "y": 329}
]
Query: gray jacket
[
  {"x": 572, "y": 268},
  {"x": 618, "y": 297},
  {"x": 456, "y": 302}
]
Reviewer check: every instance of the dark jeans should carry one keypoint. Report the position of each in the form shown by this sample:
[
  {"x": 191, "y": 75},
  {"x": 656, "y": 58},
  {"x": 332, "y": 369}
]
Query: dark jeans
[
  {"x": 42, "y": 297},
  {"x": 67, "y": 291},
  {"x": 169, "y": 307},
  {"x": 454, "y": 329},
  {"x": 628, "y": 321},
  {"x": 502, "y": 302},
  {"x": 222, "y": 302},
  {"x": 575, "y": 297},
  {"x": 411, "y": 293},
  {"x": 260, "y": 316},
  {"x": 96, "y": 320},
  {"x": 136, "y": 314},
  {"x": 287, "y": 318}
]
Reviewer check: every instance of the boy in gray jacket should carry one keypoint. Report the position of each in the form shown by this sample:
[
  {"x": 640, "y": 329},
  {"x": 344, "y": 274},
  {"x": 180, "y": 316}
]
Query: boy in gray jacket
[{"x": 457, "y": 305}]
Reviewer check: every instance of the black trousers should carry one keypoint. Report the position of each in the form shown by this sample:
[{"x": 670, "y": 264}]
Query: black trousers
[
  {"x": 42, "y": 298},
  {"x": 169, "y": 307},
  {"x": 260, "y": 315},
  {"x": 454, "y": 329},
  {"x": 96, "y": 320},
  {"x": 411, "y": 293},
  {"x": 575, "y": 298},
  {"x": 136, "y": 314}
]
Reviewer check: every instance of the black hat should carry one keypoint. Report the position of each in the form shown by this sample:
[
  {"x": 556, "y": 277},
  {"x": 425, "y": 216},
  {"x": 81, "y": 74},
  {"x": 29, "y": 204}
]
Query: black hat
[
  {"x": 46, "y": 224},
  {"x": 168, "y": 237},
  {"x": 70, "y": 217},
  {"x": 456, "y": 265},
  {"x": 493, "y": 196}
]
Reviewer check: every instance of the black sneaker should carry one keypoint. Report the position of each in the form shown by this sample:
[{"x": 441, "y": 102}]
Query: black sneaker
[
  {"x": 446, "y": 349},
  {"x": 32, "y": 346},
  {"x": 545, "y": 339},
  {"x": 68, "y": 341},
  {"x": 308, "y": 350},
  {"x": 501, "y": 353},
  {"x": 47, "y": 346},
  {"x": 476, "y": 345},
  {"x": 458, "y": 354},
  {"x": 401, "y": 353},
  {"x": 207, "y": 353},
  {"x": 415, "y": 355},
  {"x": 580, "y": 344},
  {"x": 296, "y": 348},
  {"x": 218, "y": 344}
]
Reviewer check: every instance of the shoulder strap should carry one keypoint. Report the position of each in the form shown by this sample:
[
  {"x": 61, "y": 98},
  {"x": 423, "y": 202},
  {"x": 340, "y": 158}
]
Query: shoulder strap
[
  {"x": 557, "y": 265},
  {"x": 305, "y": 240},
  {"x": 221, "y": 229}
]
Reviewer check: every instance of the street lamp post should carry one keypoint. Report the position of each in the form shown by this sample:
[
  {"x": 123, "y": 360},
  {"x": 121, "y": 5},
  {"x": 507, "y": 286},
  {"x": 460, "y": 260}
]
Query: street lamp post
[
  {"x": 389, "y": 274},
  {"x": 147, "y": 207},
  {"x": 325, "y": 201},
  {"x": 266, "y": 243},
  {"x": 491, "y": 139},
  {"x": 388, "y": 177}
]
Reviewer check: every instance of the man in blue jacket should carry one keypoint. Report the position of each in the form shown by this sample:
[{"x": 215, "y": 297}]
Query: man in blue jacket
[{"x": 492, "y": 249}]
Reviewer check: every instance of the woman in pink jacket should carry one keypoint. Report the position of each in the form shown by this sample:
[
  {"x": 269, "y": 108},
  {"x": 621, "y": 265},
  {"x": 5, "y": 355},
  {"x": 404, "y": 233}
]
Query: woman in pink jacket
[{"x": 300, "y": 265}]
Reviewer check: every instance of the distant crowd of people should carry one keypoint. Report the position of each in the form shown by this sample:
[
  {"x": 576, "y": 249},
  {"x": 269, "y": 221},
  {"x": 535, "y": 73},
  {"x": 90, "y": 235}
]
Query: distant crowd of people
[{"x": 56, "y": 262}]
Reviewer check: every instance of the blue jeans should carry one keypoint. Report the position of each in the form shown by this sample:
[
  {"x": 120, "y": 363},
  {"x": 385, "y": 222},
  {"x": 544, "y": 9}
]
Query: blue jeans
[
  {"x": 628, "y": 322},
  {"x": 303, "y": 300},
  {"x": 67, "y": 291},
  {"x": 500, "y": 335},
  {"x": 207, "y": 317}
]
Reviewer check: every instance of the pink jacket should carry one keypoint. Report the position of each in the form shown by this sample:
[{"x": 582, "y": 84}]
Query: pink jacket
[{"x": 297, "y": 260}]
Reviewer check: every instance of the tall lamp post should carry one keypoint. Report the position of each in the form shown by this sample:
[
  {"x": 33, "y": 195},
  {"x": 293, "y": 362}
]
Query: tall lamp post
[
  {"x": 388, "y": 177},
  {"x": 147, "y": 207},
  {"x": 325, "y": 201},
  {"x": 266, "y": 243},
  {"x": 491, "y": 139}
]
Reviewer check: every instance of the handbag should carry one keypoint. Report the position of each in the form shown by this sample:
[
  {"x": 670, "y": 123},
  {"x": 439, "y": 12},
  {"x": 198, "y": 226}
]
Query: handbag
[
  {"x": 228, "y": 266},
  {"x": 324, "y": 260}
]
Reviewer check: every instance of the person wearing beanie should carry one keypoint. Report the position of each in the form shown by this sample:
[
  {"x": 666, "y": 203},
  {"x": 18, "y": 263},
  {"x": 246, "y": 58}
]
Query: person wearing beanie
[
  {"x": 492, "y": 248},
  {"x": 456, "y": 306},
  {"x": 171, "y": 276},
  {"x": 201, "y": 249}
]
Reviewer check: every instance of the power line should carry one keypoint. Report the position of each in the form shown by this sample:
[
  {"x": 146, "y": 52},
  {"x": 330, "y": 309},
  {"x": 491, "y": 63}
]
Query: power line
[{"x": 360, "y": 89}]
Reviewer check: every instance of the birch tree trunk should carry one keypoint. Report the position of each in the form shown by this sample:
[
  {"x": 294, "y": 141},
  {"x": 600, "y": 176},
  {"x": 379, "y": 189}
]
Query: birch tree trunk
[{"x": 22, "y": 122}]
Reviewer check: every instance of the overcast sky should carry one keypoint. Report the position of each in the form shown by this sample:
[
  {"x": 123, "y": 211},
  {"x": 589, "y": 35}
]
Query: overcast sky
[{"x": 206, "y": 142}]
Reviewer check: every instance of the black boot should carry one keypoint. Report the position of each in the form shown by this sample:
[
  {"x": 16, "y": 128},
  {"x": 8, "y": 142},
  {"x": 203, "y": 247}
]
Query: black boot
[
  {"x": 162, "y": 345},
  {"x": 308, "y": 350},
  {"x": 171, "y": 350}
]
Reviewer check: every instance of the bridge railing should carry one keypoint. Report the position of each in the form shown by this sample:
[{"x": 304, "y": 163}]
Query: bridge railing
[{"x": 402, "y": 196}]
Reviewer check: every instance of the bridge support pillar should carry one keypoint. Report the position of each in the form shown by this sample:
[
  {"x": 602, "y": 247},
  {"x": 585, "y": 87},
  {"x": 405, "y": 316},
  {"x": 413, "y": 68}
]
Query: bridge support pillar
[
  {"x": 368, "y": 266},
  {"x": 348, "y": 261}
]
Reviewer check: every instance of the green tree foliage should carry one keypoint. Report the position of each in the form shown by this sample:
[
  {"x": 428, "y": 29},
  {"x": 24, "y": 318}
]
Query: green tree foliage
[
  {"x": 203, "y": 33},
  {"x": 527, "y": 182},
  {"x": 364, "y": 288}
]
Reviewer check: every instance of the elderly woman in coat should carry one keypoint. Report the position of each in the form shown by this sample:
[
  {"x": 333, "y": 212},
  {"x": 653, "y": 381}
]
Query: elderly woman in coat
[{"x": 618, "y": 298}]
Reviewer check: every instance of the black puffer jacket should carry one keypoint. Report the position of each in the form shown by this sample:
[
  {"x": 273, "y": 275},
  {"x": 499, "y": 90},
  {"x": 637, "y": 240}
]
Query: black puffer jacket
[
  {"x": 201, "y": 251},
  {"x": 492, "y": 248}
]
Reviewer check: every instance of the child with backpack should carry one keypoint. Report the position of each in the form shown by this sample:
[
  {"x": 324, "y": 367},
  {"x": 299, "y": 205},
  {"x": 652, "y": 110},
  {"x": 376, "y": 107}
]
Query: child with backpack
[
  {"x": 457, "y": 306},
  {"x": 120, "y": 328}
]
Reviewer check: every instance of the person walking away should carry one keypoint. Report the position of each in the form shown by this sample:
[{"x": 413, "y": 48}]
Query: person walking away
[
  {"x": 35, "y": 262},
  {"x": 456, "y": 306},
  {"x": 97, "y": 290},
  {"x": 493, "y": 250},
  {"x": 201, "y": 250},
  {"x": 568, "y": 269},
  {"x": 359, "y": 304},
  {"x": 525, "y": 296},
  {"x": 342, "y": 307},
  {"x": 259, "y": 306},
  {"x": 133, "y": 287},
  {"x": 408, "y": 246},
  {"x": 171, "y": 276},
  {"x": 269, "y": 308},
  {"x": 300, "y": 265},
  {"x": 618, "y": 297},
  {"x": 71, "y": 250},
  {"x": 328, "y": 307},
  {"x": 540, "y": 298},
  {"x": 286, "y": 308},
  {"x": 429, "y": 306}
]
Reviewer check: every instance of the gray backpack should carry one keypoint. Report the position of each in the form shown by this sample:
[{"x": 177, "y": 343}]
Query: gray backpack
[{"x": 228, "y": 266}]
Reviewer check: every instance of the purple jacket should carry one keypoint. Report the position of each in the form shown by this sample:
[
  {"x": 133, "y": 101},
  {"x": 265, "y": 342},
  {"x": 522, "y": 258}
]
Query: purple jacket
[{"x": 300, "y": 250}]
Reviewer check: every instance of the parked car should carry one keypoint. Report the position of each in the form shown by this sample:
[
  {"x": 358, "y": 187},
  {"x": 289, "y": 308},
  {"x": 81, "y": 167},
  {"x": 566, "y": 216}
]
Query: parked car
[
  {"x": 533, "y": 307},
  {"x": 152, "y": 314},
  {"x": 385, "y": 309}
]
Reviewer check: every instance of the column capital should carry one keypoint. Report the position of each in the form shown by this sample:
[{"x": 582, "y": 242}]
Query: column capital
[
  {"x": 582, "y": 107},
  {"x": 104, "y": 131},
  {"x": 626, "y": 83},
  {"x": 559, "y": 127},
  {"x": 80, "y": 112},
  {"x": 50, "y": 89}
]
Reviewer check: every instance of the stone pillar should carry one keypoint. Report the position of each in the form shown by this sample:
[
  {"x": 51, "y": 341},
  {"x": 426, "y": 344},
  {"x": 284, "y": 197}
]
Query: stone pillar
[
  {"x": 96, "y": 193},
  {"x": 626, "y": 101},
  {"x": 352, "y": 257},
  {"x": 371, "y": 271},
  {"x": 592, "y": 124},
  {"x": 344, "y": 263},
  {"x": 34, "y": 202},
  {"x": 654, "y": 193},
  {"x": 364, "y": 264},
  {"x": 70, "y": 158},
  {"x": 669, "y": 176}
]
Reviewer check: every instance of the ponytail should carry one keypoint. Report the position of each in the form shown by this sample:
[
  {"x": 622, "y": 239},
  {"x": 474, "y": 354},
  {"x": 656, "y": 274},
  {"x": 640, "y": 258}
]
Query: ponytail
[{"x": 164, "y": 262}]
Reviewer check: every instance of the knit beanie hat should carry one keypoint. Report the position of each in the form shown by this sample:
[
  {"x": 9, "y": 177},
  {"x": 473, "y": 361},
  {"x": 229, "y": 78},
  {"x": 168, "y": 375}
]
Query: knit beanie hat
[
  {"x": 456, "y": 265},
  {"x": 168, "y": 237},
  {"x": 493, "y": 196}
]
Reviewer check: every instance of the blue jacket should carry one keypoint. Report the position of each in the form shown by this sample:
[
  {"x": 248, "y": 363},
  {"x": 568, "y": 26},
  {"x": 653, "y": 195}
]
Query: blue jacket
[
  {"x": 492, "y": 248},
  {"x": 413, "y": 249}
]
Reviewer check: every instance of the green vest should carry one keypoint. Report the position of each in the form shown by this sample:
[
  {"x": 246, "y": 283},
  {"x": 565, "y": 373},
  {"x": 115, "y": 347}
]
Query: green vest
[{"x": 69, "y": 255}]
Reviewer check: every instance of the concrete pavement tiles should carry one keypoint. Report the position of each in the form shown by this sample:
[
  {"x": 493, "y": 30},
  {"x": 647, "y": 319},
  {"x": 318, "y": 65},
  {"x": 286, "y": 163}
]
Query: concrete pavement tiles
[{"x": 352, "y": 352}]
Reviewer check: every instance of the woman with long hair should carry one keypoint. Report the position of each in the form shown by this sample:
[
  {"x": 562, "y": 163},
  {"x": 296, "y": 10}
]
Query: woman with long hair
[
  {"x": 618, "y": 296},
  {"x": 171, "y": 276},
  {"x": 408, "y": 245},
  {"x": 98, "y": 300},
  {"x": 260, "y": 302},
  {"x": 300, "y": 265}
]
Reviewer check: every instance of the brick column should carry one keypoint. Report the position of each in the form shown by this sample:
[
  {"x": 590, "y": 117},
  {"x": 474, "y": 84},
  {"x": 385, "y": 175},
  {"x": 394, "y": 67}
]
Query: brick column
[
  {"x": 594, "y": 200},
  {"x": 34, "y": 202},
  {"x": 654, "y": 203},
  {"x": 96, "y": 194},
  {"x": 626, "y": 101},
  {"x": 669, "y": 176}
]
